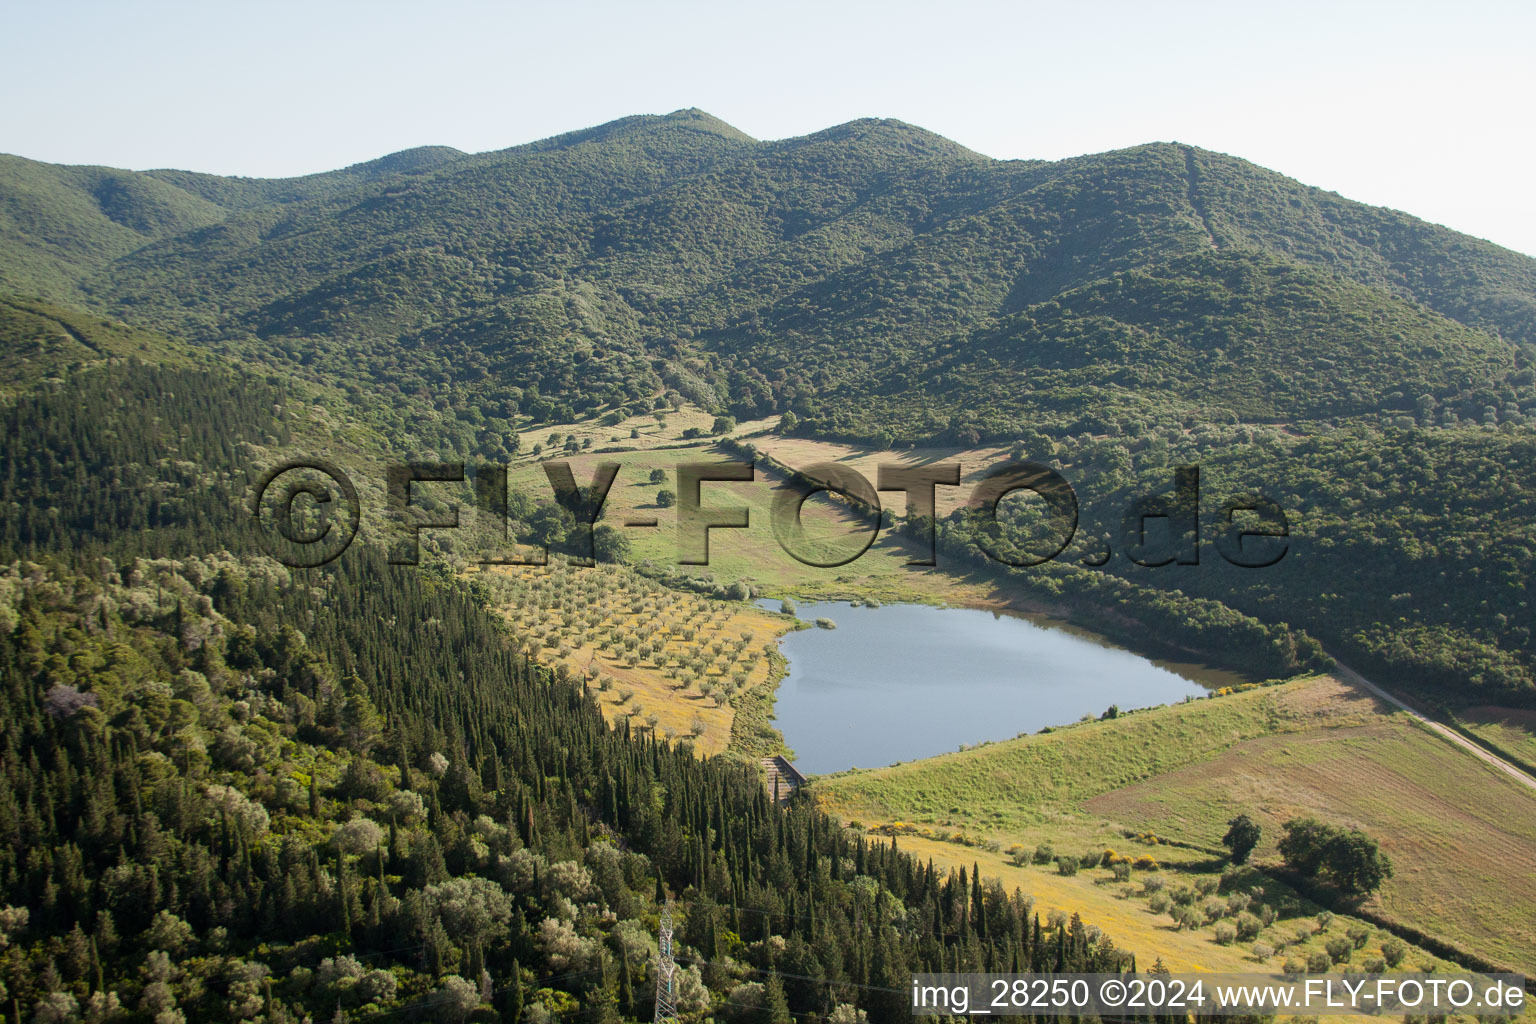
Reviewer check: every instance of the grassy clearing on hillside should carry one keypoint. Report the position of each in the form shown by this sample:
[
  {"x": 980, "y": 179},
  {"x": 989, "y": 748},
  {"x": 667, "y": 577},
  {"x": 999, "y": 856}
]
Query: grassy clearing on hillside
[
  {"x": 44, "y": 341},
  {"x": 1021, "y": 783},
  {"x": 1462, "y": 837},
  {"x": 661, "y": 427},
  {"x": 753, "y": 554},
  {"x": 800, "y": 452},
  {"x": 666, "y": 660}
]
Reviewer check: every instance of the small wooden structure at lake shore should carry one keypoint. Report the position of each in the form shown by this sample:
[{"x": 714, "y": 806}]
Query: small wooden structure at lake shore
[{"x": 781, "y": 778}]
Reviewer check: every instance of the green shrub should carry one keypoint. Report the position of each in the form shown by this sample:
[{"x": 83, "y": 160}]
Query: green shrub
[{"x": 1242, "y": 836}]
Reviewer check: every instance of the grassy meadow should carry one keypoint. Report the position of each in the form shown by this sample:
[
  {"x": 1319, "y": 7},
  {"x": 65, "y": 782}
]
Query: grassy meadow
[
  {"x": 650, "y": 430},
  {"x": 974, "y": 462},
  {"x": 1019, "y": 784},
  {"x": 752, "y": 554},
  {"x": 1460, "y": 835}
]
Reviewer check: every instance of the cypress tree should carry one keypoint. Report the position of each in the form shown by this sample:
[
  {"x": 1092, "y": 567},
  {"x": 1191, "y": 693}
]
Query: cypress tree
[
  {"x": 404, "y": 763},
  {"x": 626, "y": 987},
  {"x": 512, "y": 995},
  {"x": 341, "y": 894}
]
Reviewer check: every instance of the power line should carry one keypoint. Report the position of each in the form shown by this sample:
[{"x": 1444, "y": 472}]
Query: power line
[{"x": 735, "y": 965}]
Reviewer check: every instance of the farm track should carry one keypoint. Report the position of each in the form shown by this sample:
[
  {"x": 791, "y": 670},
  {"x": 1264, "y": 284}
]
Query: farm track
[{"x": 1445, "y": 731}]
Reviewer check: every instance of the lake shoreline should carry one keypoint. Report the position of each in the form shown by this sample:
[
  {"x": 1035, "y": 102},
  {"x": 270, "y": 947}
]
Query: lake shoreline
[{"x": 871, "y": 693}]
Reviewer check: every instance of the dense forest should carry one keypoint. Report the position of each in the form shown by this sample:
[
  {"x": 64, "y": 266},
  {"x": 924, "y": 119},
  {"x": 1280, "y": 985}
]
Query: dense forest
[
  {"x": 1409, "y": 551},
  {"x": 234, "y": 795},
  {"x": 237, "y": 791}
]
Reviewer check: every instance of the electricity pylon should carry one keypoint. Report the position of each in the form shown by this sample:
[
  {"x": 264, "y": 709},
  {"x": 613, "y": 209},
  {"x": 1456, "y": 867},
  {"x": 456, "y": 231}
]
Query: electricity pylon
[{"x": 666, "y": 970}]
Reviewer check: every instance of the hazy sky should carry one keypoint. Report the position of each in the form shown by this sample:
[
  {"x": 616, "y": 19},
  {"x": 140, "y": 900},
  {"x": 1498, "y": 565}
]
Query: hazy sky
[{"x": 1427, "y": 108}]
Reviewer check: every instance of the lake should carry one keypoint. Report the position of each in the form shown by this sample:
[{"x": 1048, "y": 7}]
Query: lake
[{"x": 901, "y": 682}]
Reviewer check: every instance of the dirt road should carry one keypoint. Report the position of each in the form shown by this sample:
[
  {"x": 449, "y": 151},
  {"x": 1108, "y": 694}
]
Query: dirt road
[{"x": 1345, "y": 672}]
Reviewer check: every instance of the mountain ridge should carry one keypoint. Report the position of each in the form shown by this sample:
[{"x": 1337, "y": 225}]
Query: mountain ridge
[
  {"x": 771, "y": 275},
  {"x": 425, "y": 159}
]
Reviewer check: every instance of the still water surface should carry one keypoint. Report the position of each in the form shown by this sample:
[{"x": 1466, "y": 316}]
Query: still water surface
[{"x": 906, "y": 681}]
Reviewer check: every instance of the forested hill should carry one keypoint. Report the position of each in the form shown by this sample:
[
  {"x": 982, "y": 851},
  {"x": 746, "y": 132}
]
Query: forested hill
[
  {"x": 231, "y": 791},
  {"x": 947, "y": 292}
]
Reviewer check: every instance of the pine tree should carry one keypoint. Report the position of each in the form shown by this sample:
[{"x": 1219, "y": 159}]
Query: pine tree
[
  {"x": 888, "y": 975},
  {"x": 599, "y": 1006},
  {"x": 775, "y": 1009}
]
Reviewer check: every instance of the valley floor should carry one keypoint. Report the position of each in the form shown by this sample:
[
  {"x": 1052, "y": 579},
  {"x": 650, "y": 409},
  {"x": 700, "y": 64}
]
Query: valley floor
[{"x": 1461, "y": 833}]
